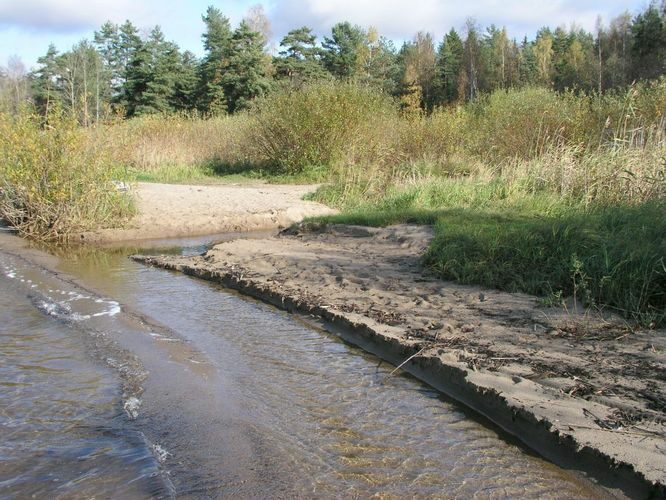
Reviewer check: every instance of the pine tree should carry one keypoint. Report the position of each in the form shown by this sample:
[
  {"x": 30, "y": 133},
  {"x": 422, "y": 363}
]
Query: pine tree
[
  {"x": 447, "y": 71},
  {"x": 498, "y": 57},
  {"x": 107, "y": 43},
  {"x": 185, "y": 92},
  {"x": 527, "y": 64},
  {"x": 341, "y": 50},
  {"x": 245, "y": 77},
  {"x": 153, "y": 75},
  {"x": 165, "y": 67},
  {"x": 300, "y": 58},
  {"x": 137, "y": 75},
  {"x": 46, "y": 90},
  {"x": 217, "y": 46},
  {"x": 649, "y": 43}
]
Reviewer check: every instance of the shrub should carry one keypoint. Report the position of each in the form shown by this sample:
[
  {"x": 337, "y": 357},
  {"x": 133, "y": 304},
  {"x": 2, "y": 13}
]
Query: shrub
[
  {"x": 53, "y": 181},
  {"x": 321, "y": 125}
]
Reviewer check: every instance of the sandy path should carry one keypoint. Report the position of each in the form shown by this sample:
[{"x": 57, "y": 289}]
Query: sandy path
[
  {"x": 585, "y": 379},
  {"x": 168, "y": 210}
]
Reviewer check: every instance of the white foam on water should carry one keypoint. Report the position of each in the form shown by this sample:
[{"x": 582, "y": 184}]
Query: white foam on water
[
  {"x": 112, "y": 311},
  {"x": 80, "y": 317},
  {"x": 131, "y": 407},
  {"x": 160, "y": 453}
]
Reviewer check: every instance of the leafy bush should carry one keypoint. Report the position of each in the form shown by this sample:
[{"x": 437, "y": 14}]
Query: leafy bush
[
  {"x": 320, "y": 125},
  {"x": 53, "y": 181}
]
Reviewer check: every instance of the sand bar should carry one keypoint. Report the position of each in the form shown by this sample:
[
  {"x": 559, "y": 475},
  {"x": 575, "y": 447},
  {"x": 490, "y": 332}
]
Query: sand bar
[{"x": 584, "y": 390}]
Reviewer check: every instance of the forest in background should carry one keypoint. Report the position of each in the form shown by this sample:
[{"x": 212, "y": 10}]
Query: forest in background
[{"x": 125, "y": 72}]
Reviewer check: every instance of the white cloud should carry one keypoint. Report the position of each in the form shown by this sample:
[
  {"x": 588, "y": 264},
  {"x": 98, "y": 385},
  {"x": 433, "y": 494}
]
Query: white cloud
[
  {"x": 62, "y": 16},
  {"x": 400, "y": 19}
]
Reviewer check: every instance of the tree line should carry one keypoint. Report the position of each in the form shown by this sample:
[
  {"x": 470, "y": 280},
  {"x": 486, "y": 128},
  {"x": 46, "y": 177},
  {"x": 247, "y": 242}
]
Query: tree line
[{"x": 127, "y": 72}]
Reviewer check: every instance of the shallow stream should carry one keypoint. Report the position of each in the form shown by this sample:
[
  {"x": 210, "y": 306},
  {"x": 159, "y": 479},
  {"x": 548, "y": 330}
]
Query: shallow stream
[{"x": 128, "y": 381}]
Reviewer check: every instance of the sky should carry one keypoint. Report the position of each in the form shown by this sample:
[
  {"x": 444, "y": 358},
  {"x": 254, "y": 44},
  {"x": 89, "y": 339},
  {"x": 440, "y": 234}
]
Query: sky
[{"x": 28, "y": 26}]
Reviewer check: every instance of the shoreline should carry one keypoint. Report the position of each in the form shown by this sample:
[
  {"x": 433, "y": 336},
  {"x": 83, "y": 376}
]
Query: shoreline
[
  {"x": 367, "y": 286},
  {"x": 182, "y": 210}
]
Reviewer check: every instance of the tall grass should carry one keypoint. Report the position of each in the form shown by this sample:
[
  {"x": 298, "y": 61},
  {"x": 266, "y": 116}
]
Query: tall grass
[
  {"x": 154, "y": 143},
  {"x": 53, "y": 180}
]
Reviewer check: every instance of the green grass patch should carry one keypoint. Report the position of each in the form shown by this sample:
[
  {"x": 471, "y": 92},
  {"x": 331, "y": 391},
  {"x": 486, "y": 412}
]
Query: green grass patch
[
  {"x": 495, "y": 235},
  {"x": 612, "y": 256}
]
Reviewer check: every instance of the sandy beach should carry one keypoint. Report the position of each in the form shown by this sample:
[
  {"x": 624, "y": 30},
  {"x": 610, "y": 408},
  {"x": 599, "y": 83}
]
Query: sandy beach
[
  {"x": 173, "y": 210},
  {"x": 573, "y": 384}
]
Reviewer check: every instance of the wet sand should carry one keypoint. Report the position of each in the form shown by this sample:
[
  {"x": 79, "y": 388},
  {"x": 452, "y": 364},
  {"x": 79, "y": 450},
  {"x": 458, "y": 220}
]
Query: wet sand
[{"x": 585, "y": 390}]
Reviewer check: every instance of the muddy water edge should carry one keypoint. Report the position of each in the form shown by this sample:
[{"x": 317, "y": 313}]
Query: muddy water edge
[{"x": 130, "y": 381}]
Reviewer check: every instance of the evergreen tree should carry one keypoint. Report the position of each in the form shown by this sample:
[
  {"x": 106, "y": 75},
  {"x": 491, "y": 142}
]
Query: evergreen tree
[
  {"x": 300, "y": 58},
  {"x": 153, "y": 74},
  {"x": 527, "y": 64},
  {"x": 341, "y": 50},
  {"x": 449, "y": 64},
  {"x": 185, "y": 92},
  {"x": 137, "y": 75},
  {"x": 217, "y": 46},
  {"x": 498, "y": 57},
  {"x": 129, "y": 44},
  {"x": 46, "y": 90},
  {"x": 165, "y": 68},
  {"x": 649, "y": 43},
  {"x": 245, "y": 77}
]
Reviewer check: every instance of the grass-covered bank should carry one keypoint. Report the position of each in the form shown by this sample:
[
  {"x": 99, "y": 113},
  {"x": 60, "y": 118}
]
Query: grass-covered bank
[{"x": 610, "y": 256}]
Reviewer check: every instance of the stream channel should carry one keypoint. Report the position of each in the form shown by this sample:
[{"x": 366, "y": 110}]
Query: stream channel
[{"x": 124, "y": 381}]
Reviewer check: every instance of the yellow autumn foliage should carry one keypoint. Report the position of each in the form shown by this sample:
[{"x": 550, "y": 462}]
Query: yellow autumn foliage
[{"x": 53, "y": 181}]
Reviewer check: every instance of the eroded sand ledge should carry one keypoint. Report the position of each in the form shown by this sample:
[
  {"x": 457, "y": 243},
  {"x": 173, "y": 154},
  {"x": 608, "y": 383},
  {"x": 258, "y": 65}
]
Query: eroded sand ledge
[{"x": 584, "y": 391}]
